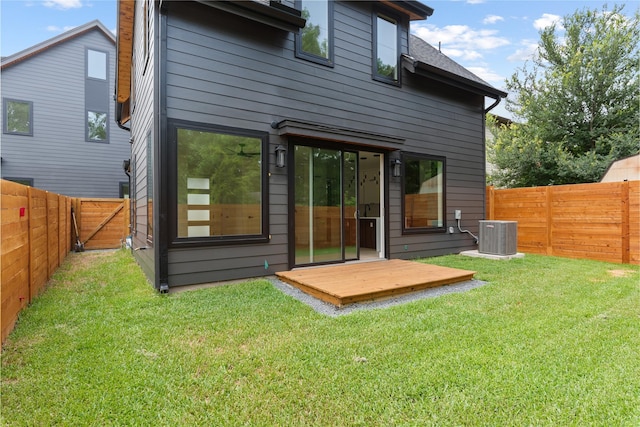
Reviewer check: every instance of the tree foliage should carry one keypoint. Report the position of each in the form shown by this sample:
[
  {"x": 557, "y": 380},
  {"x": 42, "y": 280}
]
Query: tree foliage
[{"x": 576, "y": 103}]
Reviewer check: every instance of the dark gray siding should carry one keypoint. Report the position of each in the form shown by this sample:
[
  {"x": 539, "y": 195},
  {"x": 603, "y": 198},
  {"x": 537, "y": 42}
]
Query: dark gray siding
[
  {"x": 57, "y": 155},
  {"x": 142, "y": 125},
  {"x": 224, "y": 70}
]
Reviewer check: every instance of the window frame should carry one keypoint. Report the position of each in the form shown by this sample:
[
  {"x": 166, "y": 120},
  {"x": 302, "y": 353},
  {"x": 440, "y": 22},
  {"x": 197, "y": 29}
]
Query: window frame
[
  {"x": 22, "y": 181},
  {"x": 387, "y": 16},
  {"x": 149, "y": 185},
  {"x": 5, "y": 112},
  {"x": 122, "y": 194},
  {"x": 329, "y": 61},
  {"x": 174, "y": 239},
  {"x": 86, "y": 127},
  {"x": 405, "y": 156}
]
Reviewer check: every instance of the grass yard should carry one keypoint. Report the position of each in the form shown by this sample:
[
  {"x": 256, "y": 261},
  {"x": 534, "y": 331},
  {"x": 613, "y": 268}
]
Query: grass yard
[{"x": 547, "y": 341}]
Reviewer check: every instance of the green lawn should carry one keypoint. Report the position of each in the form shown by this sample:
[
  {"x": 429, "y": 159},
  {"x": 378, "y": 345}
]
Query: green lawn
[{"x": 547, "y": 341}]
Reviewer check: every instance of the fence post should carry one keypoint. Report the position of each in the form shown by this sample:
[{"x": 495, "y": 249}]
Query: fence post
[
  {"x": 549, "y": 219},
  {"x": 490, "y": 213},
  {"x": 30, "y": 222},
  {"x": 624, "y": 229}
]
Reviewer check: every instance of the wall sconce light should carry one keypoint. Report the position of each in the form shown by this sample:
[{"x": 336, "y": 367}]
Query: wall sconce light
[
  {"x": 395, "y": 167},
  {"x": 281, "y": 156}
]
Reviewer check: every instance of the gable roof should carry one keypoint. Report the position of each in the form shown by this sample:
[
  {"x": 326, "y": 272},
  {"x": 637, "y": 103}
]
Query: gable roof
[
  {"x": 426, "y": 60},
  {"x": 54, "y": 41},
  {"x": 625, "y": 169}
]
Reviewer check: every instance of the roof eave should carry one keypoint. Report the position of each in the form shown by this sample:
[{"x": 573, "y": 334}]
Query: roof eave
[
  {"x": 422, "y": 68},
  {"x": 124, "y": 54},
  {"x": 274, "y": 13},
  {"x": 416, "y": 10}
]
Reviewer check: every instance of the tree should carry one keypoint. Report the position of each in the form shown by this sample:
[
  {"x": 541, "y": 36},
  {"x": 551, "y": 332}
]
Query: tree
[{"x": 576, "y": 102}]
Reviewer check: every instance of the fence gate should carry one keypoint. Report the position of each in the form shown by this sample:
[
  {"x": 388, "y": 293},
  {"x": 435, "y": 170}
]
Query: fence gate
[{"x": 102, "y": 223}]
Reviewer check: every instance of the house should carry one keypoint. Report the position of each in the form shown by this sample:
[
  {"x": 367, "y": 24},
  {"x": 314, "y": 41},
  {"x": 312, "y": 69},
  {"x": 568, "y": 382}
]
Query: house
[
  {"x": 274, "y": 135},
  {"x": 58, "y": 127},
  {"x": 625, "y": 169}
]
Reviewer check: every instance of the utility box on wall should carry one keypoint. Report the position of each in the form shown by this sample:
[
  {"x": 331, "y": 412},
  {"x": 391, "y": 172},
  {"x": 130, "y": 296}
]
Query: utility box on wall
[{"x": 498, "y": 237}]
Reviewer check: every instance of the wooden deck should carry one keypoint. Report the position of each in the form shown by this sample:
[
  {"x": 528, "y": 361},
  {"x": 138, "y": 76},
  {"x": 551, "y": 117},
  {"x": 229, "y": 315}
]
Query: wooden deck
[{"x": 350, "y": 283}]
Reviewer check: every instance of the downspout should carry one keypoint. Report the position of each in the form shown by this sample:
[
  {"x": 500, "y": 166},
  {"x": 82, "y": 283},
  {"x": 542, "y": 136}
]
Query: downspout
[
  {"x": 119, "y": 117},
  {"x": 161, "y": 156},
  {"x": 484, "y": 139},
  {"x": 492, "y": 106}
]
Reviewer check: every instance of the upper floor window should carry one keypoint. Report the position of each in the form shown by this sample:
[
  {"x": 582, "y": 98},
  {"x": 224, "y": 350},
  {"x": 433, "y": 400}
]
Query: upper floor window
[
  {"x": 96, "y": 64},
  {"x": 315, "y": 41},
  {"x": 423, "y": 203},
  {"x": 386, "y": 49},
  {"x": 18, "y": 117},
  {"x": 96, "y": 126}
]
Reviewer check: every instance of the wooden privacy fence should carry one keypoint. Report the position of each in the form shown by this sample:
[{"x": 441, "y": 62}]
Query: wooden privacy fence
[
  {"x": 38, "y": 233},
  {"x": 593, "y": 221}
]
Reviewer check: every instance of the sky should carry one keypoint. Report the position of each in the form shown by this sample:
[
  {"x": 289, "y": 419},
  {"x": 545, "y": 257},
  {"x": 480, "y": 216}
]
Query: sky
[{"x": 490, "y": 38}]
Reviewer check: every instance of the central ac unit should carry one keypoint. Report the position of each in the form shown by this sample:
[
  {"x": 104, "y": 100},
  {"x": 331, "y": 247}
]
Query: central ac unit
[{"x": 498, "y": 237}]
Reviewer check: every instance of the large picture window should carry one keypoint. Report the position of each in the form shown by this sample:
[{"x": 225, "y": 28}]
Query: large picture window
[
  {"x": 315, "y": 40},
  {"x": 423, "y": 193},
  {"x": 18, "y": 117},
  {"x": 386, "y": 49},
  {"x": 221, "y": 183}
]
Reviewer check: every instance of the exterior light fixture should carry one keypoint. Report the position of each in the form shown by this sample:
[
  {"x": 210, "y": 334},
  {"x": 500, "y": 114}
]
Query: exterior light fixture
[
  {"x": 281, "y": 156},
  {"x": 395, "y": 167}
]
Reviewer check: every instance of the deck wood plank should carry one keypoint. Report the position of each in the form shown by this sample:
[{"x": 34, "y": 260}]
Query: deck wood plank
[{"x": 350, "y": 283}]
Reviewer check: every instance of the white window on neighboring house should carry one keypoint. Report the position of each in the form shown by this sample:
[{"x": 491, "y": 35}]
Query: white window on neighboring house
[{"x": 96, "y": 64}]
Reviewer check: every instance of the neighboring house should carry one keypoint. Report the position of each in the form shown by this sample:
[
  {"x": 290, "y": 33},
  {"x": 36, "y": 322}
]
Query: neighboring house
[
  {"x": 626, "y": 169},
  {"x": 266, "y": 138},
  {"x": 58, "y": 128}
]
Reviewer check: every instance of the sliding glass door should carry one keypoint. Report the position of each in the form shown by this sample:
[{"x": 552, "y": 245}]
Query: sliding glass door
[{"x": 325, "y": 205}]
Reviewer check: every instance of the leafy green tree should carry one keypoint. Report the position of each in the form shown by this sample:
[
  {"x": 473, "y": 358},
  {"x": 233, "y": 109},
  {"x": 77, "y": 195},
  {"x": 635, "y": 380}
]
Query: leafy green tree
[{"x": 577, "y": 103}]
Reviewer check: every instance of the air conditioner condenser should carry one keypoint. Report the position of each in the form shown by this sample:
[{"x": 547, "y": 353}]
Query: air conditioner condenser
[{"x": 498, "y": 237}]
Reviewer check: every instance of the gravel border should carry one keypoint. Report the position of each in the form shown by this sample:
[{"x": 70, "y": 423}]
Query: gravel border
[{"x": 331, "y": 310}]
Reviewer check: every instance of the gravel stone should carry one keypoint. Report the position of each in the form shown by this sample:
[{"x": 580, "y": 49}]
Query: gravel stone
[{"x": 331, "y": 310}]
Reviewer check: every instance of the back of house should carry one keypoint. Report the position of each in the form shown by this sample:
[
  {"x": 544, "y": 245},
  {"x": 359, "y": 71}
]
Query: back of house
[
  {"x": 274, "y": 135},
  {"x": 58, "y": 128}
]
